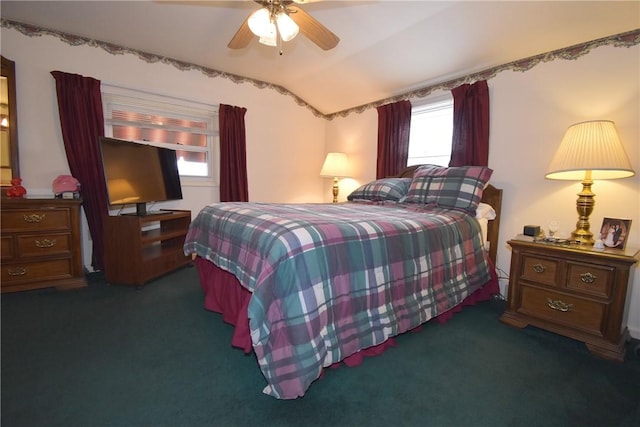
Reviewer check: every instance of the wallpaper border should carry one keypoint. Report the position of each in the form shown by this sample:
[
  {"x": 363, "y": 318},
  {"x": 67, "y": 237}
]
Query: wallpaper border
[{"x": 627, "y": 39}]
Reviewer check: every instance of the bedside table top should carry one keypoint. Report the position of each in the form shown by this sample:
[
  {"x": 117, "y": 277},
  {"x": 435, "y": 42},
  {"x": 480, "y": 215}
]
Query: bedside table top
[{"x": 631, "y": 255}]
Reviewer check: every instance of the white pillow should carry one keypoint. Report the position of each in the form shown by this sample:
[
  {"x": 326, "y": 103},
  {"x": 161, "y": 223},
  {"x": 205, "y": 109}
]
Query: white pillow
[{"x": 485, "y": 211}]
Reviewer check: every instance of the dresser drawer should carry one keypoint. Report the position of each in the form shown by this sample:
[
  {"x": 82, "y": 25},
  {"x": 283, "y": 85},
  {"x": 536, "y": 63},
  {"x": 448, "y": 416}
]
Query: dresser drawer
[
  {"x": 563, "y": 309},
  {"x": 50, "y": 244},
  {"x": 36, "y": 271},
  {"x": 26, "y": 220},
  {"x": 6, "y": 250},
  {"x": 539, "y": 270},
  {"x": 590, "y": 279}
]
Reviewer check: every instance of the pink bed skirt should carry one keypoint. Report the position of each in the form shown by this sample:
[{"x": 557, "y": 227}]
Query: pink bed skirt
[{"x": 224, "y": 295}]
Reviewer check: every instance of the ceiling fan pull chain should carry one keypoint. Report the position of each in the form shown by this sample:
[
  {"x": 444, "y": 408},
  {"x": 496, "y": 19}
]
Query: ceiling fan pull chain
[{"x": 278, "y": 39}]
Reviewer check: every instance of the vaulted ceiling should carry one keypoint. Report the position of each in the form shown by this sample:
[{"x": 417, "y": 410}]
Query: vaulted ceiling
[{"x": 386, "y": 47}]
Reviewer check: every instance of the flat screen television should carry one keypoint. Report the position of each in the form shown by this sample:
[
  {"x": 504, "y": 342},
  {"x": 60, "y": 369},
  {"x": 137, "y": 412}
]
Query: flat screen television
[{"x": 138, "y": 173}]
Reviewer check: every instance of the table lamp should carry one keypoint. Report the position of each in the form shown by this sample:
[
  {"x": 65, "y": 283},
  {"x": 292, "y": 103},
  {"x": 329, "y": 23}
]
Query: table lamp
[
  {"x": 589, "y": 150},
  {"x": 335, "y": 166}
]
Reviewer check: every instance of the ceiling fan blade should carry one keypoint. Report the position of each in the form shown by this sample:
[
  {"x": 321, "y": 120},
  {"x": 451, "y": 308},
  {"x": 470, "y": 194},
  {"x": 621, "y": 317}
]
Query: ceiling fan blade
[
  {"x": 313, "y": 29},
  {"x": 242, "y": 37}
]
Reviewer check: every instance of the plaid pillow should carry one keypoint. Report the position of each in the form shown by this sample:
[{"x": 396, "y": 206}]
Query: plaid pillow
[
  {"x": 391, "y": 189},
  {"x": 454, "y": 187}
]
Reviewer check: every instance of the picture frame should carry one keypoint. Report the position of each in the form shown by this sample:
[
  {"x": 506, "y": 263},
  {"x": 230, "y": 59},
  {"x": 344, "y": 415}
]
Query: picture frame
[{"x": 614, "y": 232}]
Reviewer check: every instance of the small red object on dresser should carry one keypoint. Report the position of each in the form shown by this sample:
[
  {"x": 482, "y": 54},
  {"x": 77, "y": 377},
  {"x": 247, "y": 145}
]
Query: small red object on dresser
[{"x": 16, "y": 189}]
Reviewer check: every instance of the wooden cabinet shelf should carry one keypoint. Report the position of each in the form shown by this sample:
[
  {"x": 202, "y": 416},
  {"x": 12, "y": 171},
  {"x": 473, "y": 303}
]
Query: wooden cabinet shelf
[
  {"x": 138, "y": 249},
  {"x": 149, "y": 237}
]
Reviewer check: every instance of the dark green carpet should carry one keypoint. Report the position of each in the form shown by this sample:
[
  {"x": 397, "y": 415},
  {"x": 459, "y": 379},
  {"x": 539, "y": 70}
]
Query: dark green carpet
[{"x": 117, "y": 356}]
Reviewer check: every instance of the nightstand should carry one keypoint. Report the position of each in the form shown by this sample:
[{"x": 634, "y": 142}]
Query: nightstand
[{"x": 572, "y": 290}]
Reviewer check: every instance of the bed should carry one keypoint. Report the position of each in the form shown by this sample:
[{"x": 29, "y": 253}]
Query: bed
[{"x": 308, "y": 286}]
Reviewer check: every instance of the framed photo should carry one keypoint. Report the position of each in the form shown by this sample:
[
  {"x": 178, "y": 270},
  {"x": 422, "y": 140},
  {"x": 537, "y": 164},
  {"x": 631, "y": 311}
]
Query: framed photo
[{"x": 614, "y": 232}]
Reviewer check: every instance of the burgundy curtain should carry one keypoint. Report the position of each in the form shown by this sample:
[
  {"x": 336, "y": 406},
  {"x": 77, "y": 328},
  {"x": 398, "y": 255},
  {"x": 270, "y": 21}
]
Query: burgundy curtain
[
  {"x": 234, "y": 185},
  {"x": 470, "y": 141},
  {"x": 82, "y": 123},
  {"x": 394, "y": 123}
]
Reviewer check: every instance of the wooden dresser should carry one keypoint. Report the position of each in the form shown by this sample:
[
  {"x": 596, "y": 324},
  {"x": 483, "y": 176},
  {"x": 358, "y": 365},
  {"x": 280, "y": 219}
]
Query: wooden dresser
[
  {"x": 575, "y": 291},
  {"x": 41, "y": 244}
]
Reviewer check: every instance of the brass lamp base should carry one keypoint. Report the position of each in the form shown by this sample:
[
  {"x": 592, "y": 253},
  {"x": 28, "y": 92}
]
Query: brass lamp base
[
  {"x": 335, "y": 190},
  {"x": 584, "y": 205}
]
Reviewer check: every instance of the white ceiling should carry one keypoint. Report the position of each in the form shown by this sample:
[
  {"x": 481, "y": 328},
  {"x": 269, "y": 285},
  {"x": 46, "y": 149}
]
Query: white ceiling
[{"x": 386, "y": 47}]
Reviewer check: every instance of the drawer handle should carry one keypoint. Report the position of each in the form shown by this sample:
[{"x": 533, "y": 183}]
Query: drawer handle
[
  {"x": 559, "y": 305},
  {"x": 17, "y": 271},
  {"x": 33, "y": 218},
  {"x": 539, "y": 268},
  {"x": 46, "y": 243},
  {"x": 588, "y": 277}
]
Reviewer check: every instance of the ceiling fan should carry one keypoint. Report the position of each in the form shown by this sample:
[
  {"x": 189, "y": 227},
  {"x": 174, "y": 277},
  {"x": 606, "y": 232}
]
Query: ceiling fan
[{"x": 280, "y": 21}]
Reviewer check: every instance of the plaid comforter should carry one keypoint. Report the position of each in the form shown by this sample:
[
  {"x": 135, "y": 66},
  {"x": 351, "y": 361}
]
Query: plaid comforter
[{"x": 328, "y": 280}]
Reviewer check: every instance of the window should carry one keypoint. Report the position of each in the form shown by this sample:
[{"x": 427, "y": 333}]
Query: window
[
  {"x": 189, "y": 128},
  {"x": 431, "y": 132}
]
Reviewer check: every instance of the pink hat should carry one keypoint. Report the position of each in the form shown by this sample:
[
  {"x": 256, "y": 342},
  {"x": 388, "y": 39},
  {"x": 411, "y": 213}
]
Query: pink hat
[{"x": 65, "y": 183}]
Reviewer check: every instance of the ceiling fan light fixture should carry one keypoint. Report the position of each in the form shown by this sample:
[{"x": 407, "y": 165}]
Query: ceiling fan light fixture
[
  {"x": 288, "y": 29},
  {"x": 260, "y": 22},
  {"x": 270, "y": 37},
  {"x": 275, "y": 22},
  {"x": 269, "y": 40}
]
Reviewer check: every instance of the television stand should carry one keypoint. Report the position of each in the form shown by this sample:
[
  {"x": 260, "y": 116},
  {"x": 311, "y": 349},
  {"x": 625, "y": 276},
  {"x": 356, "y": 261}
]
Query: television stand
[{"x": 138, "y": 249}]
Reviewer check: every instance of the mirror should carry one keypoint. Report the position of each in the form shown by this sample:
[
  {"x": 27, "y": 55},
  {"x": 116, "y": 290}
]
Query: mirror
[{"x": 9, "y": 160}]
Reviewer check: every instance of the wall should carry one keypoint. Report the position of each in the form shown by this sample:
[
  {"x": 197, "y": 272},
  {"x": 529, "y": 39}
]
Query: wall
[
  {"x": 278, "y": 130},
  {"x": 529, "y": 113},
  {"x": 286, "y": 143}
]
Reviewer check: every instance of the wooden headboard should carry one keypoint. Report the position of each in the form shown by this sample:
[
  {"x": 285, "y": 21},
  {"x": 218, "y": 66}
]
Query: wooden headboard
[{"x": 491, "y": 196}]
